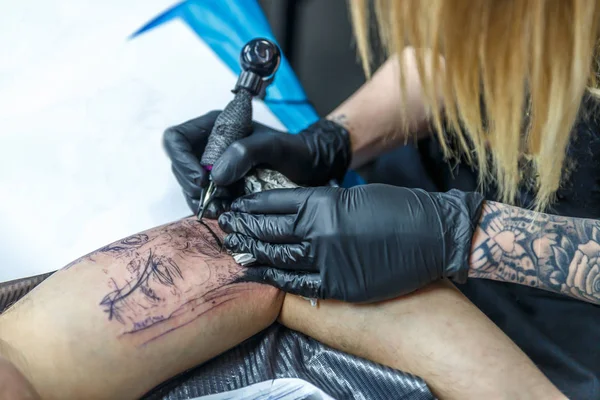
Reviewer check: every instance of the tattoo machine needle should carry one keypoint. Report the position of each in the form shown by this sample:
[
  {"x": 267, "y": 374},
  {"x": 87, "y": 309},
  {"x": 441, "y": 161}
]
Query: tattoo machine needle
[
  {"x": 259, "y": 59},
  {"x": 205, "y": 199}
]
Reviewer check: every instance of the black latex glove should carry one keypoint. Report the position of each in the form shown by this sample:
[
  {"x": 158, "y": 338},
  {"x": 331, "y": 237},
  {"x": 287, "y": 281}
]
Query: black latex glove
[
  {"x": 185, "y": 144},
  {"x": 363, "y": 244},
  {"x": 313, "y": 157}
]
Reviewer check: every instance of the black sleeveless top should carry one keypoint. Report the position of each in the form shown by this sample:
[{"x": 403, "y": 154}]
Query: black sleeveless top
[{"x": 560, "y": 334}]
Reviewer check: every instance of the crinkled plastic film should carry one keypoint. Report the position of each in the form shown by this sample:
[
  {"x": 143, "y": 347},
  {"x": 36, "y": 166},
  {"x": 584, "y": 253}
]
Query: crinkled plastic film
[{"x": 279, "y": 352}]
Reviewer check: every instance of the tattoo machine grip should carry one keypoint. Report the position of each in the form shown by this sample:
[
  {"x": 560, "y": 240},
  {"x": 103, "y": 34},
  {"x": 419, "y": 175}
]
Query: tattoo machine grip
[{"x": 259, "y": 60}]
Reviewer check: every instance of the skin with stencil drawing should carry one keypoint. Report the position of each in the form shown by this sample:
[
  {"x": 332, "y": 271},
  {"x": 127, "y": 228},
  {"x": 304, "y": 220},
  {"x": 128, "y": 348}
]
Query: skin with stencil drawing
[{"x": 160, "y": 292}]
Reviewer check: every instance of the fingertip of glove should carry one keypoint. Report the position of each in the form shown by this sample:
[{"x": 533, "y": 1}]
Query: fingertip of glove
[
  {"x": 247, "y": 203},
  {"x": 253, "y": 274},
  {"x": 224, "y": 221},
  {"x": 220, "y": 173},
  {"x": 236, "y": 205},
  {"x": 230, "y": 168},
  {"x": 233, "y": 241},
  {"x": 227, "y": 240},
  {"x": 244, "y": 204},
  {"x": 213, "y": 209},
  {"x": 170, "y": 140}
]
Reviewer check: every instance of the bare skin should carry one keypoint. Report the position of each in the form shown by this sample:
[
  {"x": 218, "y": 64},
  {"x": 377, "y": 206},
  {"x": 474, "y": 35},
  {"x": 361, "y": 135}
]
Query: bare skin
[
  {"x": 460, "y": 354},
  {"x": 13, "y": 385},
  {"x": 378, "y": 117}
]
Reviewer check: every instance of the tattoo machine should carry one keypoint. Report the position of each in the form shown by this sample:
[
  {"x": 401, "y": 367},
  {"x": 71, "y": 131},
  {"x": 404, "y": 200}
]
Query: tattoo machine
[{"x": 259, "y": 59}]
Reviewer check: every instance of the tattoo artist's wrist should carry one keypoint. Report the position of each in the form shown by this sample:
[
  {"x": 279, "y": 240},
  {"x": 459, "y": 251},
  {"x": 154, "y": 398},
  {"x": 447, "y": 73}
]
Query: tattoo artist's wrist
[
  {"x": 343, "y": 121},
  {"x": 340, "y": 119},
  {"x": 459, "y": 213},
  {"x": 491, "y": 245},
  {"x": 332, "y": 142},
  {"x": 550, "y": 252}
]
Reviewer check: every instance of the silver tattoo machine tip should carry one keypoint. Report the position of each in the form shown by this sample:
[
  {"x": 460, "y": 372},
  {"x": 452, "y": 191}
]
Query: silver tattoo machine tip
[{"x": 208, "y": 194}]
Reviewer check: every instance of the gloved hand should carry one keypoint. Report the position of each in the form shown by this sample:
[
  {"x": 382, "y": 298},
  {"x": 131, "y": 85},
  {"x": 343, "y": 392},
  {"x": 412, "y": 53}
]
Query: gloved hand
[
  {"x": 313, "y": 157},
  {"x": 363, "y": 244}
]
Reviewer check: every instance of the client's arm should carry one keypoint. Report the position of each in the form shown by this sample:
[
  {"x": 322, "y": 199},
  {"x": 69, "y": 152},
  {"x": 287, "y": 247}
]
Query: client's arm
[
  {"x": 435, "y": 333},
  {"x": 555, "y": 253},
  {"x": 130, "y": 315}
]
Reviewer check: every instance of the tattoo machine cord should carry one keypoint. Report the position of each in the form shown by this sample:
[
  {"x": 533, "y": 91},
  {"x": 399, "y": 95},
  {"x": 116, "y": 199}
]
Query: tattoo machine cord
[{"x": 259, "y": 59}]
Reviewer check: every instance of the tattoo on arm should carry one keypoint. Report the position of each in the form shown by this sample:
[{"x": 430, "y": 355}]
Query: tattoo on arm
[
  {"x": 555, "y": 253},
  {"x": 118, "y": 248},
  {"x": 340, "y": 119},
  {"x": 174, "y": 274}
]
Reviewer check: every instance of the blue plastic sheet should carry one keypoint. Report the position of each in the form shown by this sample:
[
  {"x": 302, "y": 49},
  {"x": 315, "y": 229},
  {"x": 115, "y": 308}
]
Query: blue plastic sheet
[{"x": 226, "y": 25}]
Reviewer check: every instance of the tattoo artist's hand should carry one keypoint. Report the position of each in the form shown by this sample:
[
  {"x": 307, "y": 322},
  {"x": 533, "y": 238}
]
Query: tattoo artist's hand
[
  {"x": 185, "y": 144},
  {"x": 311, "y": 158},
  {"x": 367, "y": 243}
]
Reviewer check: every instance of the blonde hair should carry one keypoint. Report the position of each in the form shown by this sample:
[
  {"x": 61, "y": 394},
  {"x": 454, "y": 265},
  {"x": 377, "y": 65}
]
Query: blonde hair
[{"x": 514, "y": 76}]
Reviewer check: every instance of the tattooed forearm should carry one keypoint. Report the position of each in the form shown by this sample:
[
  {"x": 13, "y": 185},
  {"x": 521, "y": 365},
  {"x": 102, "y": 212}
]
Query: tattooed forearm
[{"x": 555, "y": 253}]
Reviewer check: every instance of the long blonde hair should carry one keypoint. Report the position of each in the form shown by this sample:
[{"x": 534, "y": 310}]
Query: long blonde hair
[{"x": 514, "y": 75}]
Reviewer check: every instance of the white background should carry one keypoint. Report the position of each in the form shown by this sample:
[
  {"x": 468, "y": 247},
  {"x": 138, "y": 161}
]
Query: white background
[{"x": 82, "y": 111}]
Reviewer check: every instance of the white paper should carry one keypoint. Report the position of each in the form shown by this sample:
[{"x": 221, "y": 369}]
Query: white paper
[{"x": 82, "y": 111}]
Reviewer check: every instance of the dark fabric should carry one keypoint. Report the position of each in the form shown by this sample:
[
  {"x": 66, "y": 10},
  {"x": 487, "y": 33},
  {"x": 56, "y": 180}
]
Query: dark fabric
[{"x": 561, "y": 335}]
